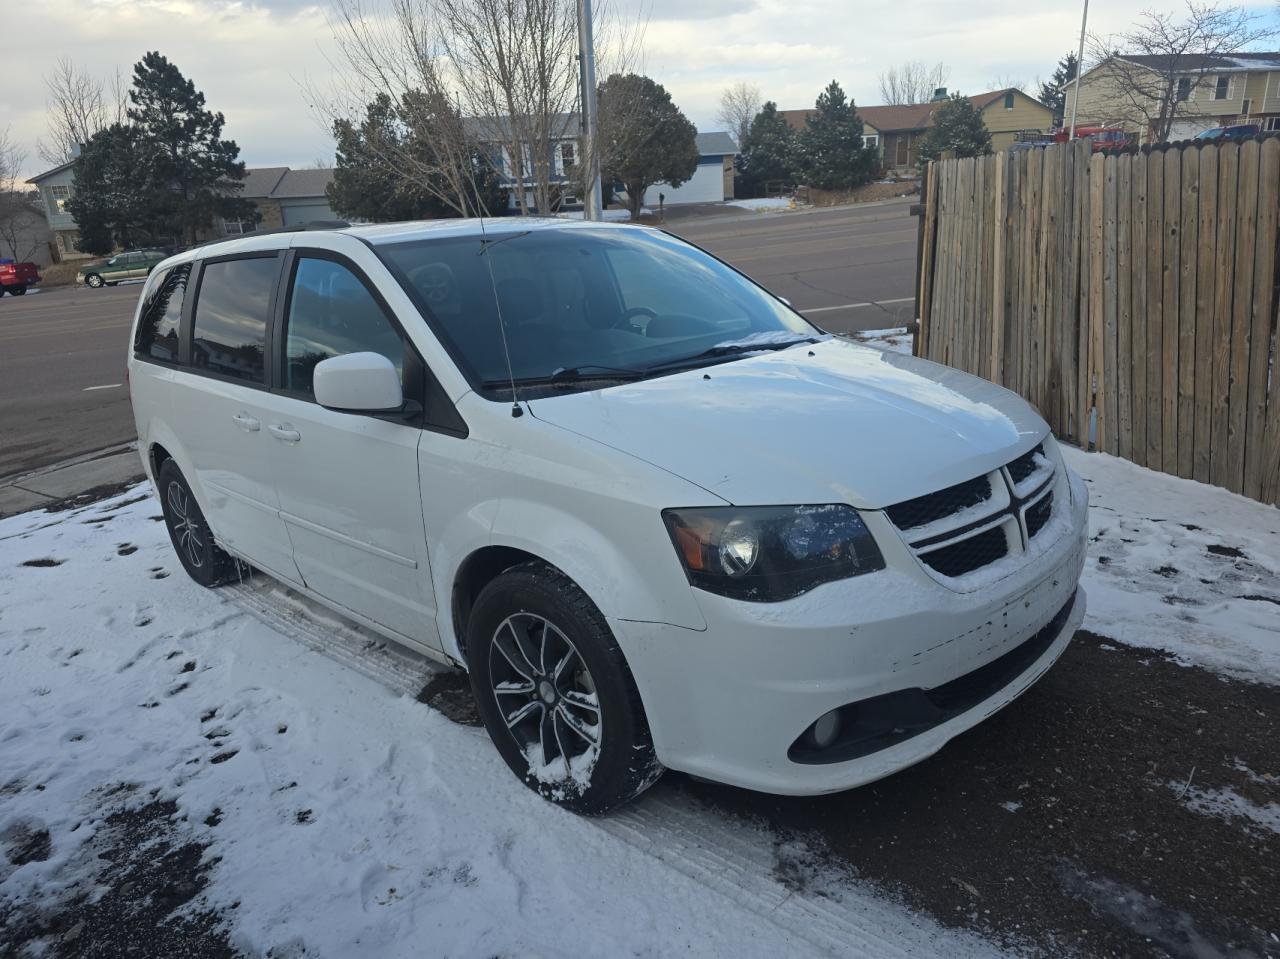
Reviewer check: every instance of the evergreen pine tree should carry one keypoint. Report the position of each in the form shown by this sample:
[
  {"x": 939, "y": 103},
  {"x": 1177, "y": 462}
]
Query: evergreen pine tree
[
  {"x": 957, "y": 126},
  {"x": 832, "y": 153},
  {"x": 644, "y": 137},
  {"x": 768, "y": 153},
  {"x": 1053, "y": 92},
  {"x": 193, "y": 171},
  {"x": 107, "y": 202}
]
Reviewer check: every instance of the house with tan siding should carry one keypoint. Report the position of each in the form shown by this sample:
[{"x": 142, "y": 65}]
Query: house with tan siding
[
  {"x": 897, "y": 130},
  {"x": 1211, "y": 92}
]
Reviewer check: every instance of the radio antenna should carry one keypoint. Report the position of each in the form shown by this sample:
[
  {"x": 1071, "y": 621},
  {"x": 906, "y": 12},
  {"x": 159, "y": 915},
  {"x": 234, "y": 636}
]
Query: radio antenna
[{"x": 516, "y": 411}]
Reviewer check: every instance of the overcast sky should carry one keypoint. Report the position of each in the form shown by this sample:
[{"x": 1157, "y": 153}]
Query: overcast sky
[{"x": 250, "y": 57}]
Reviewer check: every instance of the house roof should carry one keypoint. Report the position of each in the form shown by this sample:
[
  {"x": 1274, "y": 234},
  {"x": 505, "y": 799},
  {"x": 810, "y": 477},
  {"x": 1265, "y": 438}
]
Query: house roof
[
  {"x": 303, "y": 183},
  {"x": 260, "y": 181},
  {"x": 1232, "y": 63},
  {"x": 48, "y": 173},
  {"x": 901, "y": 118},
  {"x": 716, "y": 143}
]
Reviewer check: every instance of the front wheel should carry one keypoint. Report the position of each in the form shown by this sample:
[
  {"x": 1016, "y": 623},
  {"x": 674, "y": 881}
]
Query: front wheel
[
  {"x": 93, "y": 280},
  {"x": 556, "y": 694},
  {"x": 18, "y": 290},
  {"x": 192, "y": 540}
]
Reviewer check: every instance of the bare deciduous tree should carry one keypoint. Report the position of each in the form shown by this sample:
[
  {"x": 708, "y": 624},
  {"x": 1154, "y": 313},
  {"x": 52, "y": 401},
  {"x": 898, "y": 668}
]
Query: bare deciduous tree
[
  {"x": 739, "y": 105},
  {"x": 1007, "y": 81},
  {"x": 79, "y": 105},
  {"x": 20, "y": 218},
  {"x": 913, "y": 82},
  {"x": 495, "y": 79},
  {"x": 1174, "y": 57}
]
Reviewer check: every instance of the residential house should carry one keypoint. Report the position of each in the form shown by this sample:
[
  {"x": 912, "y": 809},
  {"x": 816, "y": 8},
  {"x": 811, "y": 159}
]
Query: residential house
[
  {"x": 1213, "y": 91},
  {"x": 55, "y": 188},
  {"x": 24, "y": 229},
  {"x": 712, "y": 181},
  {"x": 896, "y": 130},
  {"x": 283, "y": 197}
]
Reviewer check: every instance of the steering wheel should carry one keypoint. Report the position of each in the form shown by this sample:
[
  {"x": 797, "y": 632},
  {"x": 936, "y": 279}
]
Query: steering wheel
[{"x": 624, "y": 321}]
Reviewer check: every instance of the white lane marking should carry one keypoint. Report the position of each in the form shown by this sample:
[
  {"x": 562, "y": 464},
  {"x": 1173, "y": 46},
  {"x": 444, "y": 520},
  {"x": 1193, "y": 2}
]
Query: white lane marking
[
  {"x": 855, "y": 306},
  {"x": 104, "y": 386}
]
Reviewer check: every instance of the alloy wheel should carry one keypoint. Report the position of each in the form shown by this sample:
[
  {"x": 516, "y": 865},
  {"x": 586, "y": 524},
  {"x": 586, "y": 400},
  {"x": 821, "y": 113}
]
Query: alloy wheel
[
  {"x": 187, "y": 527},
  {"x": 545, "y": 694}
]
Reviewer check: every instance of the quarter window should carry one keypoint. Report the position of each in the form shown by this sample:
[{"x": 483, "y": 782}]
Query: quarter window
[
  {"x": 231, "y": 317},
  {"x": 331, "y": 313},
  {"x": 162, "y": 315}
]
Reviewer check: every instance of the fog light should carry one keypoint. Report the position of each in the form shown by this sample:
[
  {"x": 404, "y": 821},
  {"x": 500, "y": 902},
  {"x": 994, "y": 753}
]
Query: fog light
[{"x": 826, "y": 729}]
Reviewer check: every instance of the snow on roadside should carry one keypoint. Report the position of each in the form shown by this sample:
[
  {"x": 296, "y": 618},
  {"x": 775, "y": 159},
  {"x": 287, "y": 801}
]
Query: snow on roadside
[
  {"x": 1181, "y": 566},
  {"x": 342, "y": 818},
  {"x": 895, "y": 339},
  {"x": 764, "y": 204}
]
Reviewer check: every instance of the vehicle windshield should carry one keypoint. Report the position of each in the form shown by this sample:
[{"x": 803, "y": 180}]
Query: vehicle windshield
[{"x": 586, "y": 304}]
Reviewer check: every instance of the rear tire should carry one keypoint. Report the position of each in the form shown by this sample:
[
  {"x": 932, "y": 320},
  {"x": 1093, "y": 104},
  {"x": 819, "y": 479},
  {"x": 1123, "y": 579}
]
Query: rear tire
[
  {"x": 18, "y": 290},
  {"x": 192, "y": 540},
  {"x": 556, "y": 694}
]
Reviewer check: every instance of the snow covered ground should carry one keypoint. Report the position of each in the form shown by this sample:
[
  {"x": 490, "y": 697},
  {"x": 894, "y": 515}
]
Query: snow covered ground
[
  {"x": 339, "y": 816},
  {"x": 764, "y": 204},
  {"x": 345, "y": 817}
]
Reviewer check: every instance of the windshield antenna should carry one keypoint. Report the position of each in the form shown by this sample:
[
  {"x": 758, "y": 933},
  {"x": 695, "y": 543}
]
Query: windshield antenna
[{"x": 516, "y": 411}]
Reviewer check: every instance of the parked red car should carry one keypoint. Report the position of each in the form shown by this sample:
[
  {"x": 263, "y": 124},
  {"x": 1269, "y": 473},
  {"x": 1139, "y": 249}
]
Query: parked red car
[
  {"x": 16, "y": 277},
  {"x": 1104, "y": 138}
]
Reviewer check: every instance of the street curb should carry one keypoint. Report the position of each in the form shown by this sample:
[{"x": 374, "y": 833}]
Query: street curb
[{"x": 49, "y": 486}]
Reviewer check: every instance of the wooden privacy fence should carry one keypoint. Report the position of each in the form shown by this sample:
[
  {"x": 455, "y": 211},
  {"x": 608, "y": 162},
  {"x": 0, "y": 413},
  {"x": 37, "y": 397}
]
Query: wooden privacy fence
[{"x": 1130, "y": 297}]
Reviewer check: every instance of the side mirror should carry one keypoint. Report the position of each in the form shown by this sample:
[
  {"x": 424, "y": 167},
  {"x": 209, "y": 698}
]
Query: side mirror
[{"x": 358, "y": 382}]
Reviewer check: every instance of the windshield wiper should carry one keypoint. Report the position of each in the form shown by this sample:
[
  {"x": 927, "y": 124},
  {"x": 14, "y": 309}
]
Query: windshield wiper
[
  {"x": 728, "y": 349},
  {"x": 567, "y": 376}
]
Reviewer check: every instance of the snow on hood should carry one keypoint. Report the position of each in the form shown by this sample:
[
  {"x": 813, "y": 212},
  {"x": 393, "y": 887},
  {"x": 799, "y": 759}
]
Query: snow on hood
[{"x": 828, "y": 422}]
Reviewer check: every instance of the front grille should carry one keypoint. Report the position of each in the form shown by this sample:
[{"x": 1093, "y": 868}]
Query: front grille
[
  {"x": 935, "y": 506},
  {"x": 1039, "y": 514},
  {"x": 1025, "y": 464},
  {"x": 966, "y": 555}
]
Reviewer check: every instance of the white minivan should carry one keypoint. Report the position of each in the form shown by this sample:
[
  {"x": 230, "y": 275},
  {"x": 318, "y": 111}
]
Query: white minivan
[{"x": 660, "y": 518}]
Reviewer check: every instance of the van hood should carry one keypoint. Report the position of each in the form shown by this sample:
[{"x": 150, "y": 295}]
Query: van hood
[{"x": 829, "y": 422}]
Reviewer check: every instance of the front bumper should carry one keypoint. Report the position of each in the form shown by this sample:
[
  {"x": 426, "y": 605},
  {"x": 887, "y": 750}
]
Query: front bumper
[{"x": 728, "y": 702}]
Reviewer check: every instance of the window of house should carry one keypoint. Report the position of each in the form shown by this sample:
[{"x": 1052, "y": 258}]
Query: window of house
[
  {"x": 332, "y": 313},
  {"x": 1184, "y": 88},
  {"x": 1222, "y": 88},
  {"x": 1245, "y": 107},
  {"x": 231, "y": 317},
  {"x": 236, "y": 227},
  {"x": 162, "y": 315},
  {"x": 1008, "y": 100},
  {"x": 567, "y": 158},
  {"x": 1273, "y": 123},
  {"x": 871, "y": 140},
  {"x": 58, "y": 197}
]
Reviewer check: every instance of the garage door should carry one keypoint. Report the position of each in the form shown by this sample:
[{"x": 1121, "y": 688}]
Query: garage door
[{"x": 297, "y": 214}]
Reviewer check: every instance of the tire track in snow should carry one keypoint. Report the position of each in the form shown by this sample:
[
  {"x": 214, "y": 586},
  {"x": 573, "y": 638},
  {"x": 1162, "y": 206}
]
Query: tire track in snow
[{"x": 824, "y": 913}]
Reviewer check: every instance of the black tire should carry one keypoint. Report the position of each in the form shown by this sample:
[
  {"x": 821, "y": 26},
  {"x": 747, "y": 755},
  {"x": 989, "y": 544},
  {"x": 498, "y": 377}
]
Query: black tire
[
  {"x": 623, "y": 764},
  {"x": 18, "y": 290},
  {"x": 192, "y": 541},
  {"x": 93, "y": 280},
  {"x": 1, "y": 291}
]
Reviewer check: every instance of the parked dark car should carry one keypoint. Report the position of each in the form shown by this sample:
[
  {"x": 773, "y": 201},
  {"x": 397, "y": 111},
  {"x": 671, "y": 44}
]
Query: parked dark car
[
  {"x": 130, "y": 265},
  {"x": 16, "y": 277},
  {"x": 1242, "y": 131}
]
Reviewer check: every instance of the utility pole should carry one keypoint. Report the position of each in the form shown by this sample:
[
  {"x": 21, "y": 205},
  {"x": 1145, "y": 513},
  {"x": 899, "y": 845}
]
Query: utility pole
[
  {"x": 1075, "y": 96},
  {"x": 593, "y": 201}
]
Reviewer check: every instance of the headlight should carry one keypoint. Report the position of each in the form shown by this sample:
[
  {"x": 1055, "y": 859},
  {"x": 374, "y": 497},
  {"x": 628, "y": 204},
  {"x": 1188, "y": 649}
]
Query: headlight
[{"x": 765, "y": 554}]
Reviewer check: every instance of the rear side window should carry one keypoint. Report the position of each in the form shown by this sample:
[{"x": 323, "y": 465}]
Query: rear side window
[
  {"x": 231, "y": 317},
  {"x": 332, "y": 313},
  {"x": 157, "y": 336}
]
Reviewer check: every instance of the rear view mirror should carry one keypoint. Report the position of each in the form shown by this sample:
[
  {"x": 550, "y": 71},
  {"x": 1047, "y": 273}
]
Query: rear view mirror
[{"x": 358, "y": 382}]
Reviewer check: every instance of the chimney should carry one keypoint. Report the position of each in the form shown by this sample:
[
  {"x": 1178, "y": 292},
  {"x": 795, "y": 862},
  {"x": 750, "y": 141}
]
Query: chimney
[{"x": 939, "y": 93}]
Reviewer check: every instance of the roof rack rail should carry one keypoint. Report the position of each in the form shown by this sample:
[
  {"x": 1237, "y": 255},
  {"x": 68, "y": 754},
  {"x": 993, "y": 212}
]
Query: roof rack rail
[{"x": 295, "y": 228}]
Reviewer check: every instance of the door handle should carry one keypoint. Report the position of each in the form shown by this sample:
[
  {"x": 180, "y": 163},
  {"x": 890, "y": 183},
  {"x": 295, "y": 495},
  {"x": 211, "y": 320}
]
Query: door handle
[
  {"x": 284, "y": 432},
  {"x": 247, "y": 423}
]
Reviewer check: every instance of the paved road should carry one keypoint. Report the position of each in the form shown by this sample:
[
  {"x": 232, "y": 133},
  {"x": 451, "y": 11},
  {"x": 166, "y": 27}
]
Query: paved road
[
  {"x": 62, "y": 351},
  {"x": 62, "y": 392}
]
